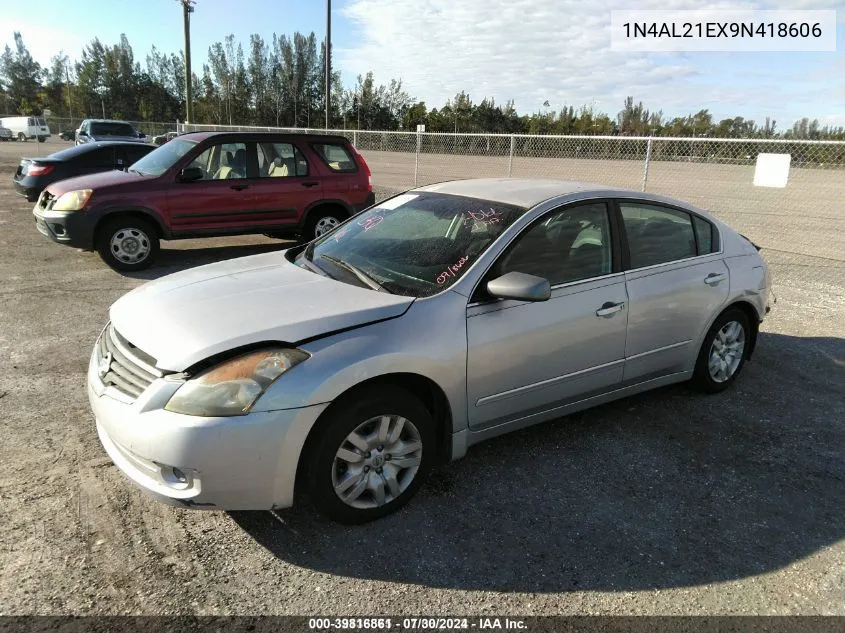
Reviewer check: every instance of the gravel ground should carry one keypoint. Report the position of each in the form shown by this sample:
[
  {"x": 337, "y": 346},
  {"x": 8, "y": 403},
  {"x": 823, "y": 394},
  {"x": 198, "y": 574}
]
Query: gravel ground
[{"x": 665, "y": 503}]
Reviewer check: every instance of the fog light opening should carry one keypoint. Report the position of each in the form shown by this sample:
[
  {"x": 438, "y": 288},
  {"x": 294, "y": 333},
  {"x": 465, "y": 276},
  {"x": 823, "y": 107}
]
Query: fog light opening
[{"x": 175, "y": 478}]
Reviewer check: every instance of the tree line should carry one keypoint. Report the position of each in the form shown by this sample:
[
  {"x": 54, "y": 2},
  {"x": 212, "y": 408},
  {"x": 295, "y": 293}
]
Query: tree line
[{"x": 280, "y": 83}]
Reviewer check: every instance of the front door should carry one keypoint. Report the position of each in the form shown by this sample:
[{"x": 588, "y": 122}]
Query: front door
[
  {"x": 525, "y": 358},
  {"x": 218, "y": 201}
]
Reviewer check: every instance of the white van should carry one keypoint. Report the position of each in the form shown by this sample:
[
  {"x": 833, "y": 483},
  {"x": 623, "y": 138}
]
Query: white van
[{"x": 26, "y": 127}]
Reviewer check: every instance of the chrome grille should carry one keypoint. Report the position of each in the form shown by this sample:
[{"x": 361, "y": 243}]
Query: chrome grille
[
  {"x": 45, "y": 199},
  {"x": 123, "y": 366}
]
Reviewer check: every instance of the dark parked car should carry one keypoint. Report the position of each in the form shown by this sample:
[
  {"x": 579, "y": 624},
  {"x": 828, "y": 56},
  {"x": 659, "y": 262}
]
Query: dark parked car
[
  {"x": 93, "y": 130},
  {"x": 204, "y": 184},
  {"x": 161, "y": 139},
  {"x": 34, "y": 174},
  {"x": 67, "y": 135}
]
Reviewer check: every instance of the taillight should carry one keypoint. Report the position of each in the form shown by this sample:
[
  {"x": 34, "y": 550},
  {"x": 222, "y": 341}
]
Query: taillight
[
  {"x": 363, "y": 164},
  {"x": 39, "y": 170}
]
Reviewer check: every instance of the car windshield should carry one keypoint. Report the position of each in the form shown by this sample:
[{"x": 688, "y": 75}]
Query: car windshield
[
  {"x": 112, "y": 129},
  {"x": 160, "y": 160},
  {"x": 415, "y": 244}
]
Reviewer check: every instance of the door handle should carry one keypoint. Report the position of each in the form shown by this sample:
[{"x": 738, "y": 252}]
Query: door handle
[
  {"x": 310, "y": 184},
  {"x": 610, "y": 308},
  {"x": 240, "y": 187},
  {"x": 713, "y": 278}
]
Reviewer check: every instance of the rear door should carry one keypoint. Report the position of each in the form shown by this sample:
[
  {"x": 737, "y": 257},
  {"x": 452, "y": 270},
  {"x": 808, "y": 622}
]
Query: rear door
[
  {"x": 677, "y": 281},
  {"x": 221, "y": 200},
  {"x": 344, "y": 179},
  {"x": 285, "y": 186}
]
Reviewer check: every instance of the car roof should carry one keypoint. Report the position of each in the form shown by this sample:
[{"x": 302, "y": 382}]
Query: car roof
[
  {"x": 528, "y": 192},
  {"x": 201, "y": 136},
  {"x": 108, "y": 121}
]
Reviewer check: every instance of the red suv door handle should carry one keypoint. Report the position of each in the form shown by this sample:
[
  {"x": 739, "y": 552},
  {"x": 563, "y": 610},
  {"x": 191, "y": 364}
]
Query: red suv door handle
[
  {"x": 310, "y": 184},
  {"x": 240, "y": 187}
]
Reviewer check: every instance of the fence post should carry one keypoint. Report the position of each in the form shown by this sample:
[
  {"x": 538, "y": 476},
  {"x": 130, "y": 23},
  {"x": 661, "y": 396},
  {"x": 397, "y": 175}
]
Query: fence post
[
  {"x": 647, "y": 161},
  {"x": 417, "y": 157},
  {"x": 510, "y": 158},
  {"x": 355, "y": 138}
]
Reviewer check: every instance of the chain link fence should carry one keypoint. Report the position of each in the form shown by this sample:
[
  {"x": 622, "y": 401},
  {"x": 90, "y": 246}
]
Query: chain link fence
[
  {"x": 59, "y": 125},
  {"x": 714, "y": 174}
]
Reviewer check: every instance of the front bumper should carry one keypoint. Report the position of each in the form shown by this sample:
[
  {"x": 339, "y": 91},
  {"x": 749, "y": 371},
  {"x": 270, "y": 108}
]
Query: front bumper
[
  {"x": 236, "y": 463},
  {"x": 72, "y": 228}
]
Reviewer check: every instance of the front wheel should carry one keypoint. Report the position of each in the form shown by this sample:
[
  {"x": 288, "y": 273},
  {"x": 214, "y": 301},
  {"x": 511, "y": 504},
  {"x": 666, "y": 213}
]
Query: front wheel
[
  {"x": 723, "y": 352},
  {"x": 128, "y": 243},
  {"x": 41, "y": 139},
  {"x": 370, "y": 456}
]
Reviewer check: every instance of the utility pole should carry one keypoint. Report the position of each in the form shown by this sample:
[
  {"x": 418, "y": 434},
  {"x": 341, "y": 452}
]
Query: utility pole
[
  {"x": 187, "y": 10},
  {"x": 328, "y": 62}
]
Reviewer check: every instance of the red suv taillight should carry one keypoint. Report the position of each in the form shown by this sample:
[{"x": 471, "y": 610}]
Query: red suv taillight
[
  {"x": 39, "y": 170},
  {"x": 363, "y": 165}
]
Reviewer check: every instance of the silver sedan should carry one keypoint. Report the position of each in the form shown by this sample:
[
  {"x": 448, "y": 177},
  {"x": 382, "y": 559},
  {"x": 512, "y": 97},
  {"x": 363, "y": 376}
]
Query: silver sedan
[{"x": 439, "y": 318}]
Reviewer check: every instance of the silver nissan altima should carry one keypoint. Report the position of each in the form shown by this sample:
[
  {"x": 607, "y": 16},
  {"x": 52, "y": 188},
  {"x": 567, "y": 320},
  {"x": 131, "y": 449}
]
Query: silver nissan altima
[{"x": 436, "y": 319}]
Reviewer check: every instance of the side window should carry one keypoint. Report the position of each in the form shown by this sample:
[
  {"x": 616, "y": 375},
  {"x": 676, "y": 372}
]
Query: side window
[
  {"x": 704, "y": 234},
  {"x": 568, "y": 245},
  {"x": 102, "y": 158},
  {"x": 280, "y": 160},
  {"x": 30, "y": 122},
  {"x": 134, "y": 154},
  {"x": 657, "y": 234},
  {"x": 222, "y": 162},
  {"x": 336, "y": 157}
]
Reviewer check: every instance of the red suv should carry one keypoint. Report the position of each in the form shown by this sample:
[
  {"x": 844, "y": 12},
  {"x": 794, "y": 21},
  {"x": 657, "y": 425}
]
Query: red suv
[{"x": 207, "y": 184}]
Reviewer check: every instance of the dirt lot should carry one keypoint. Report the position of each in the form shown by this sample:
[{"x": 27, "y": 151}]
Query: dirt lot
[{"x": 666, "y": 503}]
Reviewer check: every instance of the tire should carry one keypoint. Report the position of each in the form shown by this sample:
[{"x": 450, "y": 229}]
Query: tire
[
  {"x": 41, "y": 139},
  {"x": 322, "y": 221},
  {"x": 22, "y": 137},
  {"x": 727, "y": 363},
  {"x": 326, "y": 469},
  {"x": 128, "y": 243}
]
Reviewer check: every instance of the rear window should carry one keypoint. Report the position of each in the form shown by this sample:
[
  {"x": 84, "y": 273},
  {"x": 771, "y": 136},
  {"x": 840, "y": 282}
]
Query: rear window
[
  {"x": 112, "y": 129},
  {"x": 336, "y": 156}
]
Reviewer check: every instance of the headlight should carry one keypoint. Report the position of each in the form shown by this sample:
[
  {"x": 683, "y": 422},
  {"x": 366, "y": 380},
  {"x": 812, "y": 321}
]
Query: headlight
[
  {"x": 232, "y": 387},
  {"x": 73, "y": 200}
]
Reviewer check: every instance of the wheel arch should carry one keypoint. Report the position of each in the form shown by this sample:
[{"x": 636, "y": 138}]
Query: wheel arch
[
  {"x": 138, "y": 212},
  {"x": 753, "y": 322},
  {"x": 430, "y": 394},
  {"x": 323, "y": 205}
]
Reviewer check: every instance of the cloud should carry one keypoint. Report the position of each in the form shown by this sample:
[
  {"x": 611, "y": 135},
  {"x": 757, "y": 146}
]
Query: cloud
[{"x": 557, "y": 50}]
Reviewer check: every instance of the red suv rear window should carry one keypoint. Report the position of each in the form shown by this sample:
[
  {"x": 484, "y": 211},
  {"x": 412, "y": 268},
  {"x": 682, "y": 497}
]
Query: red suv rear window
[{"x": 336, "y": 156}]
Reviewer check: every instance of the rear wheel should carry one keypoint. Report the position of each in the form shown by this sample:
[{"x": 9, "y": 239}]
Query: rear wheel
[
  {"x": 322, "y": 221},
  {"x": 723, "y": 352},
  {"x": 371, "y": 456},
  {"x": 128, "y": 243},
  {"x": 21, "y": 137}
]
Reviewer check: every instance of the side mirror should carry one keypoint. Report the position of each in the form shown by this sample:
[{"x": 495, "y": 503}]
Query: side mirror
[
  {"x": 82, "y": 133},
  {"x": 189, "y": 174},
  {"x": 141, "y": 135},
  {"x": 520, "y": 286}
]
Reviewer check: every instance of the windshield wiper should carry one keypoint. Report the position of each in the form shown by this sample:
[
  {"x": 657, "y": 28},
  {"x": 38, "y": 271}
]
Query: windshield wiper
[
  {"x": 136, "y": 171},
  {"x": 360, "y": 274}
]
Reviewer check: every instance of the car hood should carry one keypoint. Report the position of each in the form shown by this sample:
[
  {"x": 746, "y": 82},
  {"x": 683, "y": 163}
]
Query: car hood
[
  {"x": 189, "y": 316},
  {"x": 110, "y": 137},
  {"x": 97, "y": 181}
]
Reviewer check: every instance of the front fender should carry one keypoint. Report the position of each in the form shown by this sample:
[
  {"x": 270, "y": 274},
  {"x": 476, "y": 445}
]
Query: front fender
[{"x": 429, "y": 340}]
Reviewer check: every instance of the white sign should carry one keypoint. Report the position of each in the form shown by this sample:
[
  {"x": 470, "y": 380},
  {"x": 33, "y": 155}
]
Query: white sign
[
  {"x": 420, "y": 128},
  {"x": 772, "y": 170},
  {"x": 46, "y": 112}
]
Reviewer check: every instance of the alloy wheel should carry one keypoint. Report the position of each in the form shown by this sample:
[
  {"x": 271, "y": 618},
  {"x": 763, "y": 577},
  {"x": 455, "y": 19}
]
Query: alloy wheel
[
  {"x": 726, "y": 351},
  {"x": 130, "y": 245},
  {"x": 377, "y": 462}
]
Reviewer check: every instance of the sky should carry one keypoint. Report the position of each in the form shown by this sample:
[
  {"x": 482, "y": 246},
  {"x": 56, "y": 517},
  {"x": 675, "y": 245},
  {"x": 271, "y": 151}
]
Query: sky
[{"x": 530, "y": 51}]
